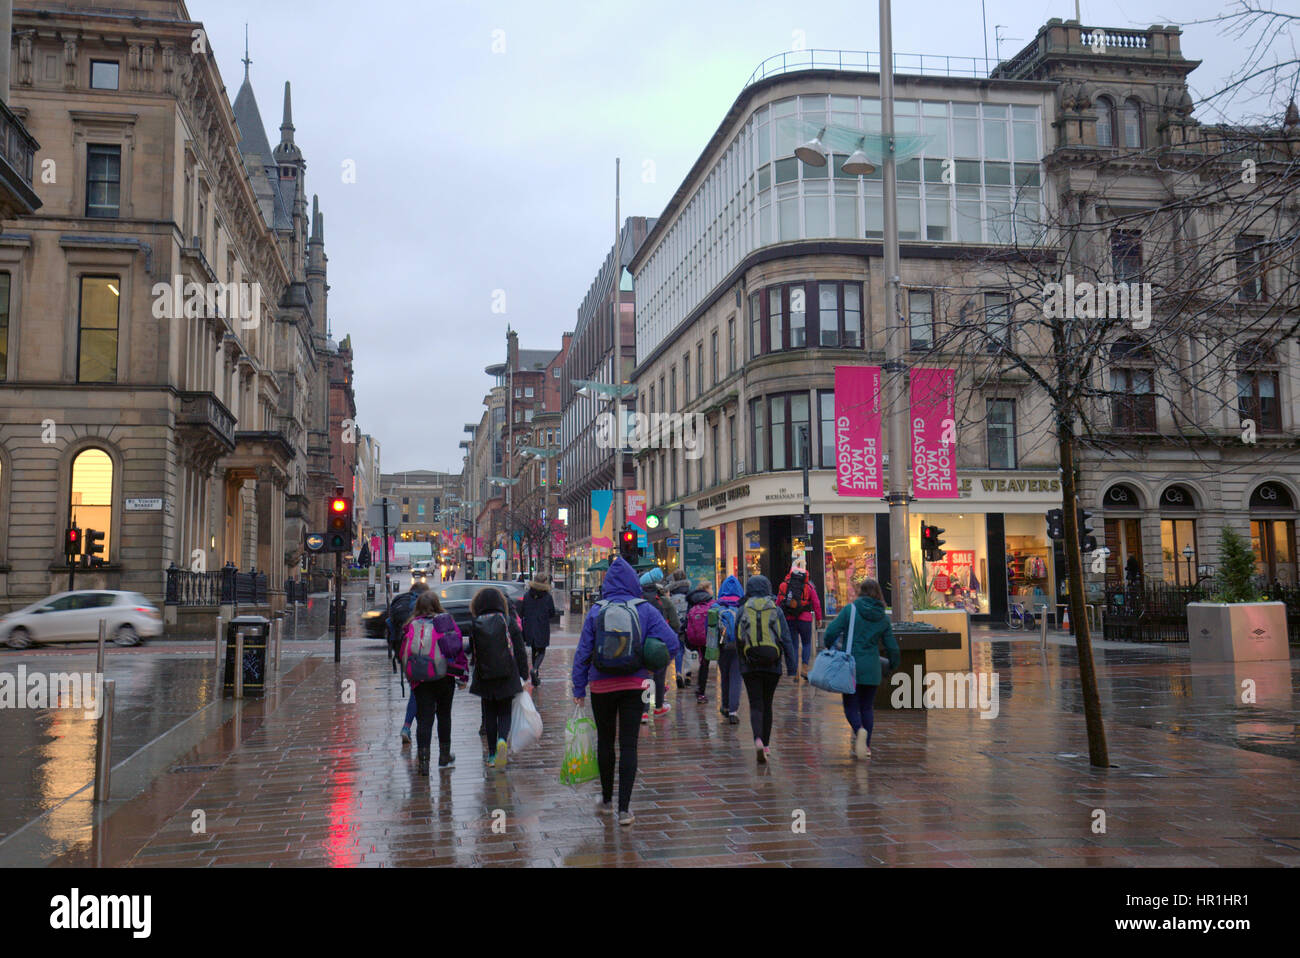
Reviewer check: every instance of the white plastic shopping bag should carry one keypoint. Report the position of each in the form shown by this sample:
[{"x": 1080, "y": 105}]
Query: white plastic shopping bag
[{"x": 525, "y": 722}]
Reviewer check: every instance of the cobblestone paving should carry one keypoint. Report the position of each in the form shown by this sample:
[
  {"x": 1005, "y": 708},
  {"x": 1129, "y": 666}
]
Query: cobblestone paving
[{"x": 307, "y": 779}]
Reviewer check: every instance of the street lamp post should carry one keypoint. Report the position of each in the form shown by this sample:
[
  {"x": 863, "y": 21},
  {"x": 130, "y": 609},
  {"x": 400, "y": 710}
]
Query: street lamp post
[{"x": 1188, "y": 552}]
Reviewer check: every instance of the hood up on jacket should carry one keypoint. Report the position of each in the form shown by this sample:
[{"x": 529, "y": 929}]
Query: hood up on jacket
[
  {"x": 488, "y": 599},
  {"x": 757, "y": 585},
  {"x": 653, "y": 577},
  {"x": 540, "y": 583},
  {"x": 870, "y": 608},
  {"x": 621, "y": 581},
  {"x": 731, "y": 590},
  {"x": 696, "y": 596}
]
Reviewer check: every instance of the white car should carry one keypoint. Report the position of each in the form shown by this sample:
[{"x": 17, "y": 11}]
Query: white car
[{"x": 74, "y": 617}]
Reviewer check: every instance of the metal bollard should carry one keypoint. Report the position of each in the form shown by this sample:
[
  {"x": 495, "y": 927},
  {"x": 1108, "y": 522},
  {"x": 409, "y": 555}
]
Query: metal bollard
[
  {"x": 239, "y": 663},
  {"x": 1042, "y": 627},
  {"x": 216, "y": 652},
  {"x": 99, "y": 657},
  {"x": 279, "y": 639},
  {"x": 103, "y": 742}
]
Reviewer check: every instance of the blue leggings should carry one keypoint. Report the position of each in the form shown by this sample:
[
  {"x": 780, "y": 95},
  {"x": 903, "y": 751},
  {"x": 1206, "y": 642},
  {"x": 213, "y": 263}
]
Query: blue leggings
[
  {"x": 858, "y": 709},
  {"x": 410, "y": 710}
]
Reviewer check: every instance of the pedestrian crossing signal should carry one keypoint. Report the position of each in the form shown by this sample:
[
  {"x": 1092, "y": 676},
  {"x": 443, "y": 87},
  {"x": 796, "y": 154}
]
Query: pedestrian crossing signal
[
  {"x": 338, "y": 525},
  {"x": 930, "y": 543},
  {"x": 94, "y": 548},
  {"x": 627, "y": 547},
  {"x": 72, "y": 544}
]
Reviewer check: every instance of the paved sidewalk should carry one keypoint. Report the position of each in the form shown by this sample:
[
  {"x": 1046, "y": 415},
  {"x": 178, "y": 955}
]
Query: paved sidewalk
[{"x": 311, "y": 779}]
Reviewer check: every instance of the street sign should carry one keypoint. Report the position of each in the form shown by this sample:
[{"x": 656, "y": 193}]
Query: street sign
[
  {"x": 144, "y": 505},
  {"x": 315, "y": 542}
]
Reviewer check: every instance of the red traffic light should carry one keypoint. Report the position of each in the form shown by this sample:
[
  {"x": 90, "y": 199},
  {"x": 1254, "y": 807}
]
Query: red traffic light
[
  {"x": 338, "y": 505},
  {"x": 72, "y": 535},
  {"x": 629, "y": 536}
]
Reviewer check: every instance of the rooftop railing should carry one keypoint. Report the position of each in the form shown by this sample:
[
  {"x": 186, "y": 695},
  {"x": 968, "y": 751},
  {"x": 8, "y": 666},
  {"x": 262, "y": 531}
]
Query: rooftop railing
[{"x": 867, "y": 61}]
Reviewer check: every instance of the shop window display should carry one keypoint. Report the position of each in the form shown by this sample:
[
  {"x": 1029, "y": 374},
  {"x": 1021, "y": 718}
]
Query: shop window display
[
  {"x": 1029, "y": 563},
  {"x": 960, "y": 579},
  {"x": 850, "y": 558}
]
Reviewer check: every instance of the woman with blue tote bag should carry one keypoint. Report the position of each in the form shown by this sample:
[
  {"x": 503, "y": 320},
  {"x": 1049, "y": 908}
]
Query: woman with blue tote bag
[{"x": 867, "y": 628}]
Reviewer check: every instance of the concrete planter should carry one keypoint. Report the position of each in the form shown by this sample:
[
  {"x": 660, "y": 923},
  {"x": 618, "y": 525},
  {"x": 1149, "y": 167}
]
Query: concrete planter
[
  {"x": 1237, "y": 631},
  {"x": 950, "y": 620}
]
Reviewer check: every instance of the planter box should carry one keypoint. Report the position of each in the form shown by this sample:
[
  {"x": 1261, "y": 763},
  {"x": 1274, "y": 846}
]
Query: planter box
[
  {"x": 950, "y": 620},
  {"x": 1237, "y": 631}
]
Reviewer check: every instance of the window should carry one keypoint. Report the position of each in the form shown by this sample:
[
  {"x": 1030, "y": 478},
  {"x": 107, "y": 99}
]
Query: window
[
  {"x": 1250, "y": 274},
  {"x": 920, "y": 306},
  {"x": 1105, "y": 121},
  {"x": 91, "y": 506},
  {"x": 663, "y": 395},
  {"x": 997, "y": 320},
  {"x": 406, "y": 501},
  {"x": 1133, "y": 405},
  {"x": 699, "y": 369},
  {"x": 1257, "y": 387},
  {"x": 556, "y": 372},
  {"x": 1132, "y": 118},
  {"x": 686, "y": 378},
  {"x": 1001, "y": 426},
  {"x": 755, "y": 325},
  {"x": 1126, "y": 255},
  {"x": 672, "y": 389},
  {"x": 519, "y": 392},
  {"x": 731, "y": 345},
  {"x": 713, "y": 355},
  {"x": 4, "y": 324},
  {"x": 528, "y": 392},
  {"x": 652, "y": 398},
  {"x": 528, "y": 415},
  {"x": 758, "y": 436},
  {"x": 1175, "y": 536},
  {"x": 97, "y": 338},
  {"x": 731, "y": 445},
  {"x": 775, "y": 318},
  {"x": 828, "y": 313},
  {"x": 103, "y": 74},
  {"x": 826, "y": 406},
  {"x": 798, "y": 317},
  {"x": 103, "y": 181},
  {"x": 715, "y": 443},
  {"x": 852, "y": 326}
]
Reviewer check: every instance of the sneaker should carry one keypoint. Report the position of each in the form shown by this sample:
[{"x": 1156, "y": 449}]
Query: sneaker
[
  {"x": 681, "y": 682},
  {"x": 536, "y": 680},
  {"x": 406, "y": 735},
  {"x": 760, "y": 752},
  {"x": 767, "y": 752},
  {"x": 866, "y": 751},
  {"x": 446, "y": 761},
  {"x": 860, "y": 744},
  {"x": 701, "y": 698},
  {"x": 626, "y": 818},
  {"x": 662, "y": 710},
  {"x": 490, "y": 759},
  {"x": 645, "y": 718},
  {"x": 733, "y": 718},
  {"x": 501, "y": 753},
  {"x": 603, "y": 807}
]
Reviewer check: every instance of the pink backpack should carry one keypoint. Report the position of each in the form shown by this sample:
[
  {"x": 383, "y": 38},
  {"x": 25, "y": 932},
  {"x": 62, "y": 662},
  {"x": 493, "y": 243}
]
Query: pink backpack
[
  {"x": 697, "y": 625},
  {"x": 430, "y": 648}
]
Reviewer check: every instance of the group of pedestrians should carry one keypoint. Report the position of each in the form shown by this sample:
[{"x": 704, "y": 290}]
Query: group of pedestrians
[{"x": 754, "y": 634}]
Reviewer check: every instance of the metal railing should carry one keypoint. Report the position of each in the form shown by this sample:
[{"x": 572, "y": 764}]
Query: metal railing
[
  {"x": 17, "y": 146},
  {"x": 868, "y": 61},
  {"x": 1157, "y": 611},
  {"x": 226, "y": 586}
]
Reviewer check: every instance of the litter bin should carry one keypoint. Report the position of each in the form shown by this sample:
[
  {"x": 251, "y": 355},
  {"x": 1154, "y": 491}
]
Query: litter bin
[
  {"x": 370, "y": 593},
  {"x": 575, "y": 600},
  {"x": 345, "y": 610},
  {"x": 257, "y": 633}
]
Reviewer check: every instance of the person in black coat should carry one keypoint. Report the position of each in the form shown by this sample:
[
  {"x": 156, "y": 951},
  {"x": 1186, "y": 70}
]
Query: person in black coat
[
  {"x": 538, "y": 608},
  {"x": 500, "y": 667}
]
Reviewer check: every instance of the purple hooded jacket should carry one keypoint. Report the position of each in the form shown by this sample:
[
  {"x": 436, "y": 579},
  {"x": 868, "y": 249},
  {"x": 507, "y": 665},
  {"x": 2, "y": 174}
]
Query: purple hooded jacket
[{"x": 621, "y": 583}]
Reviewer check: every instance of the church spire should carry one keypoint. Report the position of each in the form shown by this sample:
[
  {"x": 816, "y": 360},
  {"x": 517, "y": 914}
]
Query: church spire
[
  {"x": 247, "y": 61},
  {"x": 317, "y": 221},
  {"x": 286, "y": 128}
]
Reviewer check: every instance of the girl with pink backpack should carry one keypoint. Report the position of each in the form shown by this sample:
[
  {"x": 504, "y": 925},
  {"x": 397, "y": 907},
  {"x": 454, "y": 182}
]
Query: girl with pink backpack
[{"x": 433, "y": 657}]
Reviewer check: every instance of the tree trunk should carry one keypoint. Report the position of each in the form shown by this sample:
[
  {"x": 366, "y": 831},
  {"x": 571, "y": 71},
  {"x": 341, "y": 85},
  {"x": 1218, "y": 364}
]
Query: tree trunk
[{"x": 1098, "y": 754}]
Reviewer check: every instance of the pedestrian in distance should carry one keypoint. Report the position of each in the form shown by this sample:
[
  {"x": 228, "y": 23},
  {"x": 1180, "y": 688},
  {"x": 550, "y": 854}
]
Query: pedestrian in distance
[
  {"x": 871, "y": 633},
  {"x": 538, "y": 608},
  {"x": 695, "y": 627},
  {"x": 679, "y": 587},
  {"x": 652, "y": 591},
  {"x": 433, "y": 656},
  {"x": 722, "y": 621},
  {"x": 500, "y": 667},
  {"x": 609, "y": 663},
  {"x": 762, "y": 642},
  {"x": 400, "y": 611},
  {"x": 798, "y": 600}
]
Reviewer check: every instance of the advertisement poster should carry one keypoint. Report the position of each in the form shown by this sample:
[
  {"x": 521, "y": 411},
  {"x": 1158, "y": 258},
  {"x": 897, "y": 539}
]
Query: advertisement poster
[
  {"x": 858, "y": 457},
  {"x": 934, "y": 434},
  {"x": 557, "y": 539},
  {"x": 700, "y": 560},
  {"x": 635, "y": 512},
  {"x": 602, "y": 519}
]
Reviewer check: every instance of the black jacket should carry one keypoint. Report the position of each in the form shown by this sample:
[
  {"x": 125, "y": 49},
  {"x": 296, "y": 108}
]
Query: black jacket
[
  {"x": 399, "y": 611},
  {"x": 538, "y": 607},
  {"x": 492, "y": 627}
]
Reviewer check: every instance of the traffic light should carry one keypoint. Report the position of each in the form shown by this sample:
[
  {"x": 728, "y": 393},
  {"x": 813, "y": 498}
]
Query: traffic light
[
  {"x": 930, "y": 543},
  {"x": 653, "y": 521},
  {"x": 338, "y": 525},
  {"x": 94, "y": 548},
  {"x": 627, "y": 547},
  {"x": 72, "y": 544},
  {"x": 1055, "y": 524},
  {"x": 1087, "y": 541}
]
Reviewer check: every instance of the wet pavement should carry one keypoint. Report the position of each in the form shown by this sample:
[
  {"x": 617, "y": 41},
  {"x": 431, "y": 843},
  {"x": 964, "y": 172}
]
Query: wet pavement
[{"x": 315, "y": 775}]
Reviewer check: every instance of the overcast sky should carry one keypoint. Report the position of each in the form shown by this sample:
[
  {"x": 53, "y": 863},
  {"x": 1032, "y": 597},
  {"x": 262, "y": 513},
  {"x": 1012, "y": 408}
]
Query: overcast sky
[{"x": 480, "y": 170}]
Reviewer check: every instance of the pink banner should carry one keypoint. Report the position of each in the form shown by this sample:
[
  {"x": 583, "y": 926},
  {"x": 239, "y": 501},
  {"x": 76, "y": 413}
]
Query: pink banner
[
  {"x": 857, "y": 431},
  {"x": 934, "y": 434}
]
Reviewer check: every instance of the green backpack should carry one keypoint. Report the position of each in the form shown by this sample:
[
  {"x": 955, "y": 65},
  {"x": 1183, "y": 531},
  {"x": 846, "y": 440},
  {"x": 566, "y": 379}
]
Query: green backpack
[{"x": 759, "y": 633}]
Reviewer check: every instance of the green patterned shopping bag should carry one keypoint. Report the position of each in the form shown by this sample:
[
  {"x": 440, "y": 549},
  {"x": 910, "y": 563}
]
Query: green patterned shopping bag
[{"x": 579, "y": 750}]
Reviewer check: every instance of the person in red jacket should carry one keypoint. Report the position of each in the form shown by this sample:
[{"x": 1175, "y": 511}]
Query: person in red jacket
[{"x": 798, "y": 600}]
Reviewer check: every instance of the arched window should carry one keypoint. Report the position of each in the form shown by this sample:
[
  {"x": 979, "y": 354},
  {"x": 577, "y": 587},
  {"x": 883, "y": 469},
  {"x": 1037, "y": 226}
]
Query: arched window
[
  {"x": 1133, "y": 403},
  {"x": 1257, "y": 387},
  {"x": 1105, "y": 121},
  {"x": 1132, "y": 118},
  {"x": 91, "y": 504}
]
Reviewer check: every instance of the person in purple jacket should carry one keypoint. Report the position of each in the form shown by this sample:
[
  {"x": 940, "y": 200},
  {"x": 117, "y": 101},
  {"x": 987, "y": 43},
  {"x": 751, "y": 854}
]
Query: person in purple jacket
[{"x": 616, "y": 699}]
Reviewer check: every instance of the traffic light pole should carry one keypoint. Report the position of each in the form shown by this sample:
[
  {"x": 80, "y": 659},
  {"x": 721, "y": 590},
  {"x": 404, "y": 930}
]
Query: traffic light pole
[
  {"x": 338, "y": 606},
  {"x": 384, "y": 546}
]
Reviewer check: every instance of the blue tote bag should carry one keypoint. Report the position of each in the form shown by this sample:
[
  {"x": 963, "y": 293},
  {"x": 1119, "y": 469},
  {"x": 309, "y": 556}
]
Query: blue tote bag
[{"x": 835, "y": 670}]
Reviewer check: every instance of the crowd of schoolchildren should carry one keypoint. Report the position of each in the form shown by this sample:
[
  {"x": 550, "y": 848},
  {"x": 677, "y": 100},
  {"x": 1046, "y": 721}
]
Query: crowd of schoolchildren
[{"x": 638, "y": 629}]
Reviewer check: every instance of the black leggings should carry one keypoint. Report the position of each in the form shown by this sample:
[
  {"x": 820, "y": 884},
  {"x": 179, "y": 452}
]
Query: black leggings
[
  {"x": 622, "y": 711},
  {"x": 434, "y": 698},
  {"x": 538, "y": 655},
  {"x": 761, "y": 686},
  {"x": 496, "y": 721}
]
